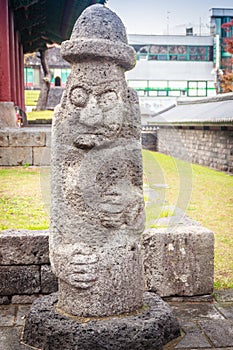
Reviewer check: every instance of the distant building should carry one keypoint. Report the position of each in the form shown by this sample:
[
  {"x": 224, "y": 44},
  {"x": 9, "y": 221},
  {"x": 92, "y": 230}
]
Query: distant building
[
  {"x": 59, "y": 68},
  {"x": 27, "y": 26},
  {"x": 172, "y": 65},
  {"x": 168, "y": 66},
  {"x": 218, "y": 17}
]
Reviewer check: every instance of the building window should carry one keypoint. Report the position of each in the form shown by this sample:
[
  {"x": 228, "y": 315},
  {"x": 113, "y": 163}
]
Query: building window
[
  {"x": 197, "y": 88},
  {"x": 142, "y": 51},
  {"x": 198, "y": 53},
  {"x": 174, "y": 52},
  {"x": 141, "y": 86},
  {"x": 65, "y": 72},
  {"x": 57, "y": 81},
  {"x": 28, "y": 77}
]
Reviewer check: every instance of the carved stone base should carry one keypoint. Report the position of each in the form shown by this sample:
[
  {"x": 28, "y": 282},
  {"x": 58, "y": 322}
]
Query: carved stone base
[{"x": 149, "y": 328}]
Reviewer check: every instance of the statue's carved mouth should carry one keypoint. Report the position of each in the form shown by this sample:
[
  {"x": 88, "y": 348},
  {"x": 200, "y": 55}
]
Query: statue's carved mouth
[{"x": 89, "y": 140}]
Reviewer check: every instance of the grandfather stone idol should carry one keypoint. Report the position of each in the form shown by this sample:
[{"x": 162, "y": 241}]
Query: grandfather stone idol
[{"x": 97, "y": 207}]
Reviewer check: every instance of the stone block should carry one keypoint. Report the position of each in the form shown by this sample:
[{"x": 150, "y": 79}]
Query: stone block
[
  {"x": 220, "y": 332},
  {"x": 10, "y": 339},
  {"x": 19, "y": 280},
  {"x": 5, "y": 300},
  {"x": 179, "y": 261},
  {"x": 7, "y": 315},
  {"x": 24, "y": 247},
  {"x": 207, "y": 298},
  {"x": 7, "y": 115},
  {"x": 48, "y": 138},
  {"x": 24, "y": 299},
  {"x": 30, "y": 138},
  {"x": 149, "y": 140},
  {"x": 15, "y": 156},
  {"x": 41, "y": 156},
  {"x": 194, "y": 337},
  {"x": 226, "y": 309},
  {"x": 195, "y": 311},
  {"x": 49, "y": 282},
  {"x": 224, "y": 295},
  {"x": 4, "y": 138},
  {"x": 23, "y": 310}
]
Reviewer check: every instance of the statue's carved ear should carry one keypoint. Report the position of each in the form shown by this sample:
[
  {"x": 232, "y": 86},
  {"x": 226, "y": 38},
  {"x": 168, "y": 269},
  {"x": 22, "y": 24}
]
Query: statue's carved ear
[
  {"x": 135, "y": 114},
  {"x": 64, "y": 99},
  {"x": 132, "y": 96}
]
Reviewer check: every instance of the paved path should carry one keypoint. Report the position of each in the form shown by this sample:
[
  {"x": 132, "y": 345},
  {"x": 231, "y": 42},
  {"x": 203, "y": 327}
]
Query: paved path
[{"x": 205, "y": 325}]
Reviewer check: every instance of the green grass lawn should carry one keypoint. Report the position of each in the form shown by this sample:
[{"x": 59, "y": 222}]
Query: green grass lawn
[
  {"x": 31, "y": 97},
  {"x": 39, "y": 115},
  {"x": 206, "y": 195},
  {"x": 21, "y": 202}
]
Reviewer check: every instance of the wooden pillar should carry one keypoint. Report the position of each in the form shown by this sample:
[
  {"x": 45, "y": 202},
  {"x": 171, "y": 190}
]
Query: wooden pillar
[
  {"x": 21, "y": 65},
  {"x": 5, "y": 78},
  {"x": 17, "y": 66},
  {"x": 12, "y": 57}
]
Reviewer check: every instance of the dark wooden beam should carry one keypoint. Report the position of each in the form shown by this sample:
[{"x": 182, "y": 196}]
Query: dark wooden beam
[{"x": 17, "y": 4}]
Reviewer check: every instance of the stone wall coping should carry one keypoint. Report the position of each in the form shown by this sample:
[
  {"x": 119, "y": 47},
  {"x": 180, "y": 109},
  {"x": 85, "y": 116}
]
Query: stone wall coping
[
  {"x": 195, "y": 228},
  {"x": 22, "y": 233},
  {"x": 24, "y": 247}
]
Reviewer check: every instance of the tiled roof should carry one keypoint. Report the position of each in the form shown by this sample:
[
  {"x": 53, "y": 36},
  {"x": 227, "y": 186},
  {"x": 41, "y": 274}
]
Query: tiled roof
[{"x": 209, "y": 110}]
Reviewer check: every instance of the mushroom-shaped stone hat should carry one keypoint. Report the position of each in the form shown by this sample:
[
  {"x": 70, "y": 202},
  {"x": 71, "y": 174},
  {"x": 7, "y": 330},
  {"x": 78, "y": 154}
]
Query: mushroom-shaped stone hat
[{"x": 99, "y": 32}]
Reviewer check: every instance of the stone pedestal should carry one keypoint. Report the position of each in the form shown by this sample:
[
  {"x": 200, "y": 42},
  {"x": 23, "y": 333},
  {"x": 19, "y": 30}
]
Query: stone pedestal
[{"x": 148, "y": 328}]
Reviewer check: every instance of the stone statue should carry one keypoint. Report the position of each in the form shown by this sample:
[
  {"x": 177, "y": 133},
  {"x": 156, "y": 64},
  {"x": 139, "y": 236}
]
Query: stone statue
[{"x": 97, "y": 207}]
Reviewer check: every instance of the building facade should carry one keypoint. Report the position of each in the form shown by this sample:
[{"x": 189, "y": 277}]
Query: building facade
[
  {"x": 59, "y": 69},
  {"x": 168, "y": 66},
  {"x": 172, "y": 65},
  {"x": 220, "y": 16},
  {"x": 28, "y": 26}
]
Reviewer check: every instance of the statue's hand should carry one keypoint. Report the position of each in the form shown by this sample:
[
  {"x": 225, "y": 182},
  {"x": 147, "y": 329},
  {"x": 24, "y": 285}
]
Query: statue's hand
[{"x": 84, "y": 269}]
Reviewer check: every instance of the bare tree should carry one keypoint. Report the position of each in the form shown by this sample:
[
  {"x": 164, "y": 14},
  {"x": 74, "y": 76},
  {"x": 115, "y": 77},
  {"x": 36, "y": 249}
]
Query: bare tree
[{"x": 45, "y": 87}]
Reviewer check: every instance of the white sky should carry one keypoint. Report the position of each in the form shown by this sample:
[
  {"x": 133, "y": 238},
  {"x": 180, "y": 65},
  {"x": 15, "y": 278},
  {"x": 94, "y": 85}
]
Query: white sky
[{"x": 165, "y": 16}]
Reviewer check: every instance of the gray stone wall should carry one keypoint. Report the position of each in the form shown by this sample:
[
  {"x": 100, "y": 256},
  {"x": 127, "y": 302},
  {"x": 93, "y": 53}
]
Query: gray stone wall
[
  {"x": 178, "y": 261},
  {"x": 212, "y": 148},
  {"x": 24, "y": 266},
  {"x": 25, "y": 146},
  {"x": 149, "y": 140}
]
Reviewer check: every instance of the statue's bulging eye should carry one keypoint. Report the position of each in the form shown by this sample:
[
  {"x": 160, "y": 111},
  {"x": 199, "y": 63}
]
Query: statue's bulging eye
[
  {"x": 79, "y": 97},
  {"x": 107, "y": 99}
]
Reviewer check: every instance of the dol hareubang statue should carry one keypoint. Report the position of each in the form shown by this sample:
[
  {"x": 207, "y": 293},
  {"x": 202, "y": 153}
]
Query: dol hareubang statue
[{"x": 97, "y": 207}]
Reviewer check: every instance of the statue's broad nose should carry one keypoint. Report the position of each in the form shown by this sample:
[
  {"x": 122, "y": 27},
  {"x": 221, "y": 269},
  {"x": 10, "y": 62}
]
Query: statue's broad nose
[{"x": 92, "y": 114}]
